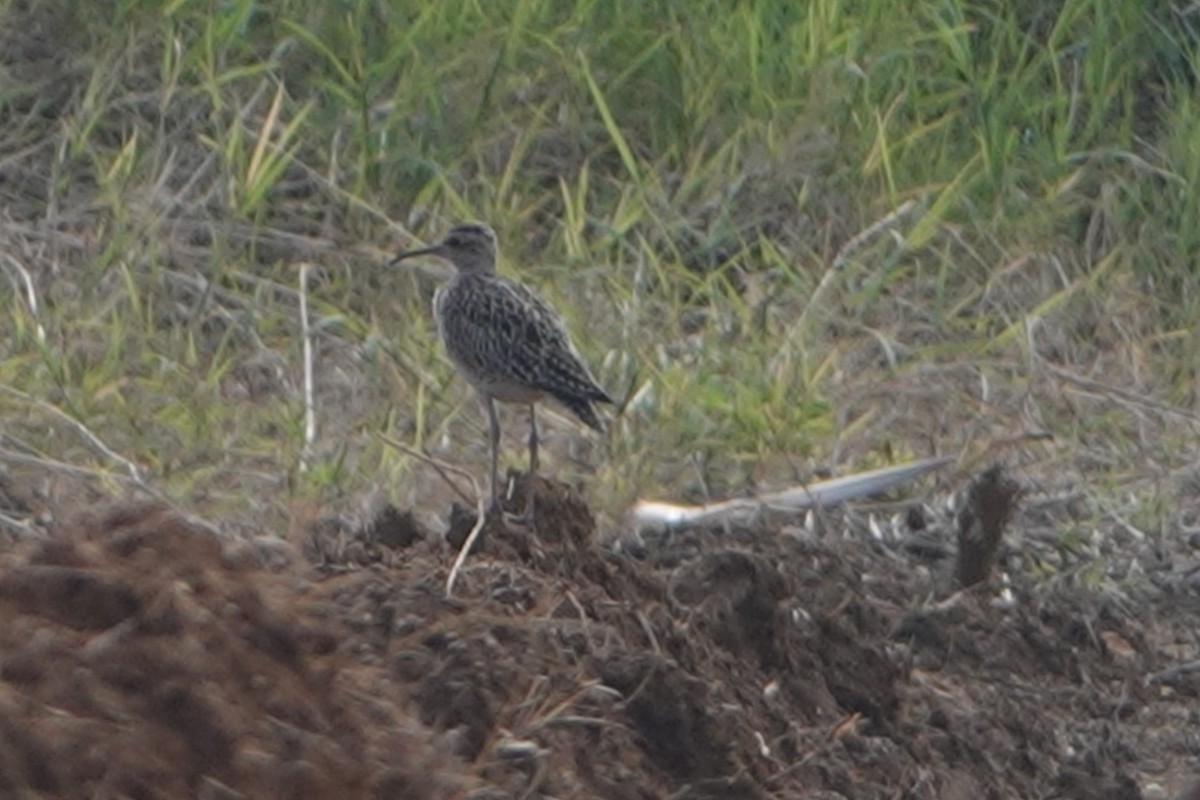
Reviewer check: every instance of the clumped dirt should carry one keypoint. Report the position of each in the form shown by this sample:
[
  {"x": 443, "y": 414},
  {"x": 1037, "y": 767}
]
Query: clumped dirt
[{"x": 142, "y": 657}]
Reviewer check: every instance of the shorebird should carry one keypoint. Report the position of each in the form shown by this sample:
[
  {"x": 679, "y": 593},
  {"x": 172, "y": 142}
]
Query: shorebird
[{"x": 508, "y": 342}]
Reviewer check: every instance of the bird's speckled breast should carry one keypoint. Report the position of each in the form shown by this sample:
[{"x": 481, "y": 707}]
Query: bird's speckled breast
[{"x": 481, "y": 328}]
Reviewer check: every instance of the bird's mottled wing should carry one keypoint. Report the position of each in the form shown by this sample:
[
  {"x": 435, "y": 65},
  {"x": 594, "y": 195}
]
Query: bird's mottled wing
[{"x": 500, "y": 331}]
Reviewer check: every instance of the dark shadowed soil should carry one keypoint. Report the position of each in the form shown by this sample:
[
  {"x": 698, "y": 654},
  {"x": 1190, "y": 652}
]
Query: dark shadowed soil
[{"x": 141, "y": 657}]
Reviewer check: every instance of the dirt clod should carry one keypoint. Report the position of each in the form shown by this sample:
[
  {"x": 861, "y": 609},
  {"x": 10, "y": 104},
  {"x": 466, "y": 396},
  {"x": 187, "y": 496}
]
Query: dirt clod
[{"x": 991, "y": 501}]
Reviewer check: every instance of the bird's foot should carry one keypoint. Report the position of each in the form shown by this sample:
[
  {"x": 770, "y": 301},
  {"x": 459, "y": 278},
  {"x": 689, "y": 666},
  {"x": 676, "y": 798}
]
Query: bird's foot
[
  {"x": 513, "y": 518},
  {"x": 495, "y": 508},
  {"x": 522, "y": 520}
]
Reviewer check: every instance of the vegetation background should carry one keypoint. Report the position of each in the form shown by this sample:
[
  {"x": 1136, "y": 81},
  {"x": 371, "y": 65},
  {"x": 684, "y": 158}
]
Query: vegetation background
[{"x": 686, "y": 181}]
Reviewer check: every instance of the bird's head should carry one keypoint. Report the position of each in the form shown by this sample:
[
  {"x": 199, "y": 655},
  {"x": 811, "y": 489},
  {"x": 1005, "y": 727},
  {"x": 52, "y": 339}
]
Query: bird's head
[{"x": 470, "y": 248}]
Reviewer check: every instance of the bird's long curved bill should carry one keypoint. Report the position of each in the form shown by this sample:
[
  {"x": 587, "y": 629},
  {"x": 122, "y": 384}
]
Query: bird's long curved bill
[{"x": 423, "y": 251}]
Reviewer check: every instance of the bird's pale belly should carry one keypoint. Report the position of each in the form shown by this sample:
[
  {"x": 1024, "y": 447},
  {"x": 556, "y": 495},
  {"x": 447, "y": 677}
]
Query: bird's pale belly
[{"x": 509, "y": 392}]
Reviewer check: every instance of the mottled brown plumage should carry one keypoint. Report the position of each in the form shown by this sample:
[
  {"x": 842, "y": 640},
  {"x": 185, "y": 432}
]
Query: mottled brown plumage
[{"x": 505, "y": 340}]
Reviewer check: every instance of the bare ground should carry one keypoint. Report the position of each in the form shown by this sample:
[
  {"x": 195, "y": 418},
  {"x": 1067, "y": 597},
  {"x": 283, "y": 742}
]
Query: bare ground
[{"x": 141, "y": 656}]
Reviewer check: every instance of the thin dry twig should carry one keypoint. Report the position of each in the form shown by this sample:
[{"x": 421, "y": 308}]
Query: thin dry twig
[
  {"x": 203, "y": 286},
  {"x": 857, "y": 241},
  {"x": 442, "y": 470},
  {"x": 310, "y": 405},
  {"x": 1121, "y": 395},
  {"x": 19, "y": 527},
  {"x": 817, "y": 299},
  {"x": 95, "y": 441},
  {"x": 468, "y": 543},
  {"x": 441, "y": 466},
  {"x": 63, "y": 467},
  {"x": 1173, "y": 674},
  {"x": 556, "y": 713}
]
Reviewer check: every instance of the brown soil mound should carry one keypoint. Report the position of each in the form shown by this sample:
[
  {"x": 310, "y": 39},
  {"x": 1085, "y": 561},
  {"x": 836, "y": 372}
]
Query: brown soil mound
[{"x": 140, "y": 657}]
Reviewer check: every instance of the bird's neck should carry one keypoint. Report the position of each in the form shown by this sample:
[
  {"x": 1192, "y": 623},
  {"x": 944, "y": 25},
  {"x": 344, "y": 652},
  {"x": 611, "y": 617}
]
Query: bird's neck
[{"x": 476, "y": 269}]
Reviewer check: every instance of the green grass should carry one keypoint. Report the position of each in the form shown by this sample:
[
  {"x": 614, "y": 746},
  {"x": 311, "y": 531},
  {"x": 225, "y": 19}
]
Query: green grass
[{"x": 678, "y": 177}]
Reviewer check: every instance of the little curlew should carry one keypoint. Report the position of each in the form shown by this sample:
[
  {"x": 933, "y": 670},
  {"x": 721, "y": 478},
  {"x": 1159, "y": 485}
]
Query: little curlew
[{"x": 505, "y": 340}]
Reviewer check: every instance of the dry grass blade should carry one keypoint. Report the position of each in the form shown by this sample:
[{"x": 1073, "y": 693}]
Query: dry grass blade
[
  {"x": 97, "y": 444},
  {"x": 31, "y": 298}
]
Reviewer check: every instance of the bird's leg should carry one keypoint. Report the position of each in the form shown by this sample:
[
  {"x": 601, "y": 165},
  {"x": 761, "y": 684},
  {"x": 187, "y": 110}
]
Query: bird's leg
[
  {"x": 533, "y": 439},
  {"x": 494, "y": 422}
]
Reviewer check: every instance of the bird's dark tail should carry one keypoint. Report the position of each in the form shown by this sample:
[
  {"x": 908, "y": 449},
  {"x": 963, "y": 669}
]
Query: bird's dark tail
[{"x": 582, "y": 407}]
